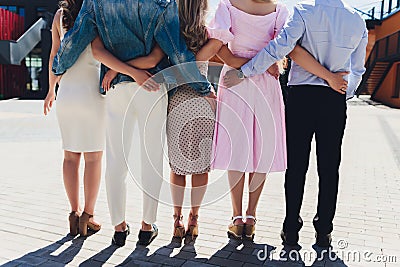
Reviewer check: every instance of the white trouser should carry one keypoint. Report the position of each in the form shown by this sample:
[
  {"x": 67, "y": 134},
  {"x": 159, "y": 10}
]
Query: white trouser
[{"x": 149, "y": 110}]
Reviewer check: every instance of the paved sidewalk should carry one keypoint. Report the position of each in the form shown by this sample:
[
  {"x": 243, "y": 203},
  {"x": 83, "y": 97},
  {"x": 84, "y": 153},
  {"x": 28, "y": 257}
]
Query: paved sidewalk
[{"x": 34, "y": 207}]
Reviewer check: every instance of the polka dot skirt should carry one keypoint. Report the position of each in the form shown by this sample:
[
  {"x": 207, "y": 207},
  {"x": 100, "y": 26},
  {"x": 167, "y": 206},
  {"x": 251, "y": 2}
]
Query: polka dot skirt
[{"x": 190, "y": 130}]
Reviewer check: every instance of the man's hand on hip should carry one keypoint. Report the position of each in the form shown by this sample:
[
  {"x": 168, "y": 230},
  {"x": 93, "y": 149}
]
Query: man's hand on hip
[
  {"x": 337, "y": 82},
  {"x": 232, "y": 78}
]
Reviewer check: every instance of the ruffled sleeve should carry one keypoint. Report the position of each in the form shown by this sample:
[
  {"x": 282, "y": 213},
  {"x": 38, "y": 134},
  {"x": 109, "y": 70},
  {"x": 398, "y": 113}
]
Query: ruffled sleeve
[
  {"x": 282, "y": 16},
  {"x": 220, "y": 26}
]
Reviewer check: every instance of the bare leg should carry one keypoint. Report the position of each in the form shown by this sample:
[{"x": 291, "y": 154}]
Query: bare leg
[
  {"x": 236, "y": 183},
  {"x": 199, "y": 187},
  {"x": 256, "y": 185},
  {"x": 92, "y": 177},
  {"x": 71, "y": 178},
  {"x": 178, "y": 184}
]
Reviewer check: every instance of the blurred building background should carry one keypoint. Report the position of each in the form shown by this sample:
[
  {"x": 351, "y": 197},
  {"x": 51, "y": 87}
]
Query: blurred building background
[
  {"x": 382, "y": 78},
  {"x": 25, "y": 42}
]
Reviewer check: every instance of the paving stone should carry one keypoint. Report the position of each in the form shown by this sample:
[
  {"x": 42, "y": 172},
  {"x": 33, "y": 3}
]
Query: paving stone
[
  {"x": 32, "y": 260},
  {"x": 52, "y": 264},
  {"x": 11, "y": 263},
  {"x": 166, "y": 260},
  {"x": 245, "y": 258},
  {"x": 197, "y": 264},
  {"x": 224, "y": 262},
  {"x": 222, "y": 254},
  {"x": 185, "y": 255},
  {"x": 138, "y": 263}
]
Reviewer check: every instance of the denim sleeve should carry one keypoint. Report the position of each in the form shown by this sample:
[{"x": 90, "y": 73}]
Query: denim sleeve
[
  {"x": 167, "y": 34},
  {"x": 278, "y": 48},
  {"x": 357, "y": 61},
  {"x": 76, "y": 39}
]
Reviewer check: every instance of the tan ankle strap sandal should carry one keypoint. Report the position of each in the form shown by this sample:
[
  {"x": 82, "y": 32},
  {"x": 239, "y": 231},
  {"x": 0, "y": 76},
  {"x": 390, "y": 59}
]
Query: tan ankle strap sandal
[
  {"x": 179, "y": 231},
  {"x": 236, "y": 231}
]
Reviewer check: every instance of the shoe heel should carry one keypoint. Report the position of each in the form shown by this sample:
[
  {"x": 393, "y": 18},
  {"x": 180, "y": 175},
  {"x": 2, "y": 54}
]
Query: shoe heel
[
  {"x": 193, "y": 227},
  {"x": 179, "y": 232},
  {"x": 250, "y": 229},
  {"x": 83, "y": 224},
  {"x": 193, "y": 231},
  {"x": 73, "y": 223},
  {"x": 249, "y": 232},
  {"x": 235, "y": 232}
]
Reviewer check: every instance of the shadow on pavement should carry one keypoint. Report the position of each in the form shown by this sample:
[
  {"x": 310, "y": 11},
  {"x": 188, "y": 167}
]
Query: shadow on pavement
[
  {"x": 100, "y": 258},
  {"x": 327, "y": 258},
  {"x": 49, "y": 256},
  {"x": 237, "y": 253},
  {"x": 234, "y": 253}
]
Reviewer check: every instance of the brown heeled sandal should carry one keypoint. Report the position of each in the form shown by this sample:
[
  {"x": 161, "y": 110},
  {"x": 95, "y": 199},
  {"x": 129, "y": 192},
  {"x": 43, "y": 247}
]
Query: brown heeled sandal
[
  {"x": 73, "y": 223},
  {"x": 193, "y": 230},
  {"x": 179, "y": 231},
  {"x": 236, "y": 231},
  {"x": 84, "y": 224}
]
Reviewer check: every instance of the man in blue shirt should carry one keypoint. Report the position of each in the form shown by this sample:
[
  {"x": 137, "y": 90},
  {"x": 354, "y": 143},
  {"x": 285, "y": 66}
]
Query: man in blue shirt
[
  {"x": 130, "y": 29},
  {"x": 337, "y": 37}
]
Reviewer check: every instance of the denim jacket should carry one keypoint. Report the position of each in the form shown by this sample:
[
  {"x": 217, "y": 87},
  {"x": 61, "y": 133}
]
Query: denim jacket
[{"x": 130, "y": 29}]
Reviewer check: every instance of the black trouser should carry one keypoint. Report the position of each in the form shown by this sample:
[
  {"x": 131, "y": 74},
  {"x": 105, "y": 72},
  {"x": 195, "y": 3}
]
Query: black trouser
[{"x": 309, "y": 110}]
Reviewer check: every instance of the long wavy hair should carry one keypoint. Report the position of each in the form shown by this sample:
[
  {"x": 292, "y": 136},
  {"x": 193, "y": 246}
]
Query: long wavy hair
[
  {"x": 192, "y": 17},
  {"x": 70, "y": 10}
]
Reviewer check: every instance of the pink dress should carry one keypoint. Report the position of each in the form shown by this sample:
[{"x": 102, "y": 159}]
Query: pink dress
[{"x": 250, "y": 131}]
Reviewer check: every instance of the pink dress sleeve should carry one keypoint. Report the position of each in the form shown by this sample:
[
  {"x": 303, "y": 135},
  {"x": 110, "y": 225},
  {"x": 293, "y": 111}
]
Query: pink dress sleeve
[
  {"x": 220, "y": 26},
  {"x": 282, "y": 16}
]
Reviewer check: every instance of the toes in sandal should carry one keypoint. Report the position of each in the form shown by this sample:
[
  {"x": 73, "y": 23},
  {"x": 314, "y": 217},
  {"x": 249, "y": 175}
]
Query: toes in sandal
[{"x": 85, "y": 223}]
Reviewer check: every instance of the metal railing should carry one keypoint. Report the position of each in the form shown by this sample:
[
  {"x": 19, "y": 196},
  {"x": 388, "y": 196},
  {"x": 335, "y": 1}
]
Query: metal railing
[
  {"x": 13, "y": 52},
  {"x": 385, "y": 9},
  {"x": 386, "y": 49}
]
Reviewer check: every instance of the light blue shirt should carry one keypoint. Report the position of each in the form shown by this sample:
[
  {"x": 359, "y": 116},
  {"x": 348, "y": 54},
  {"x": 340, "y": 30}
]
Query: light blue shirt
[{"x": 332, "y": 31}]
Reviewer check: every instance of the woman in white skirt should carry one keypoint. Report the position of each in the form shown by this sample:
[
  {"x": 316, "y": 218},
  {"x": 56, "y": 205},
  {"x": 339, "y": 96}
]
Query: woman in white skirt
[
  {"x": 81, "y": 118},
  {"x": 81, "y": 115}
]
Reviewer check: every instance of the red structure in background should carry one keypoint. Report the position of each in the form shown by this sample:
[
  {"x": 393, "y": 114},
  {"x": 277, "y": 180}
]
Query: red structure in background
[{"x": 12, "y": 78}]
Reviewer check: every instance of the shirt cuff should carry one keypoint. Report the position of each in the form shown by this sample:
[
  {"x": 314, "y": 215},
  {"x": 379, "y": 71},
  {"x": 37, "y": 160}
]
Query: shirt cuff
[
  {"x": 208, "y": 91},
  {"x": 350, "y": 92},
  {"x": 246, "y": 70},
  {"x": 57, "y": 73},
  {"x": 57, "y": 67}
]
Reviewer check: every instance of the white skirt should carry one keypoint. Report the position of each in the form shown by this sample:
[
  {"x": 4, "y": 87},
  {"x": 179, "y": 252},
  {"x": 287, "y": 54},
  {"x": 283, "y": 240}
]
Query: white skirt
[{"x": 80, "y": 106}]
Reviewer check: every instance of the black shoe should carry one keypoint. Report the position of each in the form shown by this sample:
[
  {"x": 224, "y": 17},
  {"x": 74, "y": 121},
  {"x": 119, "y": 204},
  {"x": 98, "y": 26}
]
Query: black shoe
[
  {"x": 290, "y": 239},
  {"x": 323, "y": 241},
  {"x": 119, "y": 238},
  {"x": 146, "y": 237}
]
